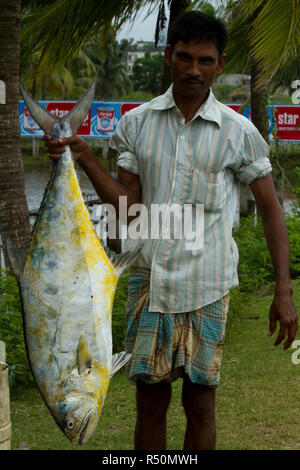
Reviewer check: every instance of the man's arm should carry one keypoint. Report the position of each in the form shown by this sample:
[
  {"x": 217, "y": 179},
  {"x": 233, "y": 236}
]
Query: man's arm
[
  {"x": 108, "y": 188},
  {"x": 282, "y": 308}
]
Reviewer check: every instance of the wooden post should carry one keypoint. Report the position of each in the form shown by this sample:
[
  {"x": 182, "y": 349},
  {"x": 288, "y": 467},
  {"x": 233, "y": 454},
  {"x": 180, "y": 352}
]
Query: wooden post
[{"x": 5, "y": 425}]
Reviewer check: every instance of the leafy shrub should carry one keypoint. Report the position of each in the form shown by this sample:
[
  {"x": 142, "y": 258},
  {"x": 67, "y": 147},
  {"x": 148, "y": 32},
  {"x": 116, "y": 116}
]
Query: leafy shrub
[
  {"x": 11, "y": 330},
  {"x": 293, "y": 227},
  {"x": 223, "y": 91},
  {"x": 255, "y": 264},
  {"x": 297, "y": 174}
]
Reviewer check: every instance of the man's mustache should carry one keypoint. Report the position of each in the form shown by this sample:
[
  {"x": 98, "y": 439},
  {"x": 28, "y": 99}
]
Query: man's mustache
[{"x": 192, "y": 80}]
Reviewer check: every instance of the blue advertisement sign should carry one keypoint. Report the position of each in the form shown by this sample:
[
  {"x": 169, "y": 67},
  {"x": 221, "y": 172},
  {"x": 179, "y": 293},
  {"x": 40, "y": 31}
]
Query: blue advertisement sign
[{"x": 102, "y": 119}]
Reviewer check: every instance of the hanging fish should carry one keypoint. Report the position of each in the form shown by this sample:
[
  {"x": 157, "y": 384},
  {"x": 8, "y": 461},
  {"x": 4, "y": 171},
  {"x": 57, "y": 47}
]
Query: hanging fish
[{"x": 67, "y": 284}]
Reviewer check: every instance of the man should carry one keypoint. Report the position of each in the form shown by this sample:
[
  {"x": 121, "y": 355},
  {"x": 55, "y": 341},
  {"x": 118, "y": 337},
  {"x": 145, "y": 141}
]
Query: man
[{"x": 186, "y": 147}]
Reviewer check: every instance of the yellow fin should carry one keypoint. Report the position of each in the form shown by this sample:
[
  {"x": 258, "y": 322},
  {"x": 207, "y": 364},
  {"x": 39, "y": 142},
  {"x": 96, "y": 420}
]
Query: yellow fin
[{"x": 84, "y": 359}]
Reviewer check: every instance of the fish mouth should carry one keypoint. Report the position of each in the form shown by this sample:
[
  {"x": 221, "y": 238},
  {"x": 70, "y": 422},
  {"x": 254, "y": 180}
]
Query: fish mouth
[{"x": 84, "y": 430}]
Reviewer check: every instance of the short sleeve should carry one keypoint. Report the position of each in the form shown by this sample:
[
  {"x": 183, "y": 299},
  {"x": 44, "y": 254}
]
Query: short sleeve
[
  {"x": 253, "y": 158},
  {"x": 123, "y": 142}
]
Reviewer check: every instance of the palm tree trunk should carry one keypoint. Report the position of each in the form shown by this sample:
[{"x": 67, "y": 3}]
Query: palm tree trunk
[
  {"x": 259, "y": 90},
  {"x": 14, "y": 216},
  {"x": 259, "y": 101},
  {"x": 176, "y": 8}
]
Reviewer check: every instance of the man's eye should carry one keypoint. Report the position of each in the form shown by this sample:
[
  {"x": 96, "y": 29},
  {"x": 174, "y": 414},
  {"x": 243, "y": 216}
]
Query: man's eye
[
  {"x": 207, "y": 61},
  {"x": 184, "y": 57}
]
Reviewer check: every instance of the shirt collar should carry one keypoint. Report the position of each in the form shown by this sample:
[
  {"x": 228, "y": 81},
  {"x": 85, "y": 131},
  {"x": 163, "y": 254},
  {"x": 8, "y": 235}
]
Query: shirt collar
[{"x": 208, "y": 110}]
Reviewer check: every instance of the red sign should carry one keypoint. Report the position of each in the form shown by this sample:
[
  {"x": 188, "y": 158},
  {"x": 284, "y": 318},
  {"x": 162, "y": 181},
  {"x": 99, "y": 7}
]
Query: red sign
[
  {"x": 61, "y": 108},
  {"x": 287, "y": 122},
  {"x": 235, "y": 107},
  {"x": 128, "y": 106}
]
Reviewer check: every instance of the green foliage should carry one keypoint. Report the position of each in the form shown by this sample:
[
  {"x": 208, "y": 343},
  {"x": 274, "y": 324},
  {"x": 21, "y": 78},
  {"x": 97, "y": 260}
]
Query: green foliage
[
  {"x": 293, "y": 227},
  {"x": 255, "y": 266},
  {"x": 110, "y": 66},
  {"x": 147, "y": 73},
  {"x": 223, "y": 91},
  {"x": 137, "y": 96},
  {"x": 11, "y": 330},
  {"x": 118, "y": 315},
  {"x": 297, "y": 187}
]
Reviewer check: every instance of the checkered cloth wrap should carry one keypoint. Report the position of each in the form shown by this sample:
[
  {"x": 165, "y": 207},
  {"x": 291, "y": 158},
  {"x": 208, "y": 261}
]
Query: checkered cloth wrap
[{"x": 166, "y": 346}]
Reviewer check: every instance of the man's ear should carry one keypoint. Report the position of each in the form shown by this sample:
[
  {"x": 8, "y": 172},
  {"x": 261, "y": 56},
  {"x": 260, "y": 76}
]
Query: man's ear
[
  {"x": 168, "y": 54},
  {"x": 221, "y": 63}
]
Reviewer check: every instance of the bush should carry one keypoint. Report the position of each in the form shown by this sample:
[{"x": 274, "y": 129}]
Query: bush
[
  {"x": 223, "y": 92},
  {"x": 293, "y": 226},
  {"x": 11, "y": 330},
  {"x": 255, "y": 265}
]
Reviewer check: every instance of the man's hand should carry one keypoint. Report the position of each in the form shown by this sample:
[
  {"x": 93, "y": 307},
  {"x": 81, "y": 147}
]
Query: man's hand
[
  {"x": 284, "y": 311},
  {"x": 79, "y": 148}
]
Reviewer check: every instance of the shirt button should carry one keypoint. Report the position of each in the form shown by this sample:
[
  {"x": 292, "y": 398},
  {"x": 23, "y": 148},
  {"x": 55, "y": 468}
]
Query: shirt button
[{"x": 182, "y": 137}]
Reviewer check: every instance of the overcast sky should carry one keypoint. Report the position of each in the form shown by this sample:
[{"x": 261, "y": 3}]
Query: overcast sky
[
  {"x": 144, "y": 29},
  {"x": 141, "y": 29}
]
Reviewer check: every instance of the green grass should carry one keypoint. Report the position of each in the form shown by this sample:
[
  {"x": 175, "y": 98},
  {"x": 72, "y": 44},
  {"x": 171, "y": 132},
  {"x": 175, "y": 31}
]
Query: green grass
[{"x": 257, "y": 405}]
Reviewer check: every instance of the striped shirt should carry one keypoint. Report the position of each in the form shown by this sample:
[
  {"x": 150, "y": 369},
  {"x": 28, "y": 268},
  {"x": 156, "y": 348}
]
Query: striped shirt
[{"x": 200, "y": 162}]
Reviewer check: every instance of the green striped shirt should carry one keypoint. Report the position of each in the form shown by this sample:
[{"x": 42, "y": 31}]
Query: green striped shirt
[{"x": 201, "y": 162}]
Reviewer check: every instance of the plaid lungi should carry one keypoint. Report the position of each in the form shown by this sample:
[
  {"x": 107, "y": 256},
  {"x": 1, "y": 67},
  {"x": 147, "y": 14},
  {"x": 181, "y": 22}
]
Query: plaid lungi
[{"x": 165, "y": 346}]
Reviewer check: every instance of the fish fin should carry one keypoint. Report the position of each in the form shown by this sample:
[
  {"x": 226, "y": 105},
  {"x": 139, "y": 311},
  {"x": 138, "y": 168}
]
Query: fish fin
[
  {"x": 122, "y": 261},
  {"x": 118, "y": 361},
  {"x": 84, "y": 359},
  {"x": 16, "y": 257},
  {"x": 41, "y": 116},
  {"x": 79, "y": 112}
]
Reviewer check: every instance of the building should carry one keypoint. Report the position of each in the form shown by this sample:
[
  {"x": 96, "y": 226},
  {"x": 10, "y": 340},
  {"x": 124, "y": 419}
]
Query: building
[
  {"x": 234, "y": 79},
  {"x": 138, "y": 51}
]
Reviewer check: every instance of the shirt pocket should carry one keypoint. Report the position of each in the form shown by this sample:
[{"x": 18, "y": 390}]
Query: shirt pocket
[{"x": 203, "y": 188}]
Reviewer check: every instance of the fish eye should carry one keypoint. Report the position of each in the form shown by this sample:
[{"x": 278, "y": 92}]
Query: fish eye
[{"x": 71, "y": 423}]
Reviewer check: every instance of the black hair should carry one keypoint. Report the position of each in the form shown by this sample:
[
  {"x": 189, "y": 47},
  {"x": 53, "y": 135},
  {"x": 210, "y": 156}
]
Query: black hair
[{"x": 196, "y": 25}]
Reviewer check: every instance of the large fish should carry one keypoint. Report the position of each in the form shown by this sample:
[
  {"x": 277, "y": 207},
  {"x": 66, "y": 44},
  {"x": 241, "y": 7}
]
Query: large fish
[{"x": 67, "y": 283}]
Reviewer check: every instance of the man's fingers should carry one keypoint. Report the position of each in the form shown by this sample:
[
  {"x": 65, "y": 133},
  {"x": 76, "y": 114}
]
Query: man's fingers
[
  {"x": 291, "y": 335},
  {"x": 272, "y": 326},
  {"x": 281, "y": 335},
  {"x": 55, "y": 147}
]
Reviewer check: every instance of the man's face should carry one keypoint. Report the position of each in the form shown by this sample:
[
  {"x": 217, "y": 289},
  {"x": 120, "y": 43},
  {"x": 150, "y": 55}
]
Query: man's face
[{"x": 194, "y": 66}]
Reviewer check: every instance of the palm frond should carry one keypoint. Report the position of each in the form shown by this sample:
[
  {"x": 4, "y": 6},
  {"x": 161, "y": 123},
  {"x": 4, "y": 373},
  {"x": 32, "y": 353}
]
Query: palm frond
[
  {"x": 237, "y": 49},
  {"x": 61, "y": 27},
  {"x": 275, "y": 33}
]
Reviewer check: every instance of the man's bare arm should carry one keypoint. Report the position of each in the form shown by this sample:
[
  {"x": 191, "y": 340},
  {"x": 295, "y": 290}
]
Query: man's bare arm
[{"x": 282, "y": 308}]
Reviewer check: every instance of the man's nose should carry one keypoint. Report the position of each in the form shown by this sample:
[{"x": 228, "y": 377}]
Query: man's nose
[{"x": 194, "y": 69}]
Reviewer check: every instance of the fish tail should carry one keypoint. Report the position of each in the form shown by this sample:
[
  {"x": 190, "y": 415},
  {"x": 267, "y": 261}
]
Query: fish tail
[{"x": 46, "y": 120}]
